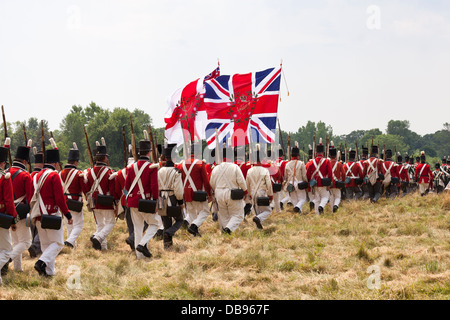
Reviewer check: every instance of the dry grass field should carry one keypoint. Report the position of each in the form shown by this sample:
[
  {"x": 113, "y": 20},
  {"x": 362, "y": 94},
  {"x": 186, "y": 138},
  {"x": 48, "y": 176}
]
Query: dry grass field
[{"x": 295, "y": 257}]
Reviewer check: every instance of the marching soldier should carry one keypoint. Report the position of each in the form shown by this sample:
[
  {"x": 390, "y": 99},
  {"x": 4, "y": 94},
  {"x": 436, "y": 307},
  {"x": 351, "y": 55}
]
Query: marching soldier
[
  {"x": 423, "y": 175},
  {"x": 281, "y": 197},
  {"x": 197, "y": 190},
  {"x": 363, "y": 165},
  {"x": 259, "y": 187},
  {"x": 296, "y": 180},
  {"x": 121, "y": 193},
  {"x": 35, "y": 249},
  {"x": 389, "y": 171},
  {"x": 309, "y": 190},
  {"x": 276, "y": 177},
  {"x": 353, "y": 177},
  {"x": 440, "y": 177},
  {"x": 7, "y": 207},
  {"x": 411, "y": 173},
  {"x": 141, "y": 184},
  {"x": 373, "y": 175},
  {"x": 171, "y": 193},
  {"x": 338, "y": 178},
  {"x": 101, "y": 197},
  {"x": 21, "y": 182},
  {"x": 239, "y": 155},
  {"x": 48, "y": 190},
  {"x": 402, "y": 169},
  {"x": 319, "y": 176},
  {"x": 230, "y": 188},
  {"x": 73, "y": 186}
]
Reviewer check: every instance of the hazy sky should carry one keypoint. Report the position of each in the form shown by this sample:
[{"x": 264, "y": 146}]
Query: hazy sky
[{"x": 352, "y": 64}]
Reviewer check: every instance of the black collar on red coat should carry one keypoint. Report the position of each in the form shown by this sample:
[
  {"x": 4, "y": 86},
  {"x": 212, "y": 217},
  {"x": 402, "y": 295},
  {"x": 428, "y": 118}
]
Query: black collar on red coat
[
  {"x": 18, "y": 165},
  {"x": 100, "y": 164},
  {"x": 37, "y": 169},
  {"x": 49, "y": 166},
  {"x": 144, "y": 158},
  {"x": 70, "y": 166}
]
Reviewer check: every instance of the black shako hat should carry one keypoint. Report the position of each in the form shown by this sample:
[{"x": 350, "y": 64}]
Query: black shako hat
[
  {"x": 74, "y": 153},
  {"x": 168, "y": 150},
  {"x": 52, "y": 156},
  {"x": 3, "y": 154},
  {"x": 23, "y": 153}
]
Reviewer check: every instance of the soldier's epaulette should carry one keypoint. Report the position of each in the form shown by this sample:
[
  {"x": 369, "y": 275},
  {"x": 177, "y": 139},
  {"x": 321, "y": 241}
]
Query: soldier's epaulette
[
  {"x": 154, "y": 165},
  {"x": 7, "y": 175}
]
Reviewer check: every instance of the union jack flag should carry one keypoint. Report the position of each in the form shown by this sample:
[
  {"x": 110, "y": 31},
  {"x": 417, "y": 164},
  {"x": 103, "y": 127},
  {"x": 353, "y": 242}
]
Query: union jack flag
[
  {"x": 213, "y": 74},
  {"x": 241, "y": 105}
]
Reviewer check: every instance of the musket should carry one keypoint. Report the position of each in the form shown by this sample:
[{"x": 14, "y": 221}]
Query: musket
[
  {"x": 356, "y": 144},
  {"x": 6, "y": 135},
  {"x": 26, "y": 143},
  {"x": 327, "y": 146},
  {"x": 395, "y": 150},
  {"x": 133, "y": 140},
  {"x": 314, "y": 146},
  {"x": 152, "y": 143},
  {"x": 345, "y": 150},
  {"x": 43, "y": 141},
  {"x": 303, "y": 152},
  {"x": 91, "y": 158},
  {"x": 218, "y": 148},
  {"x": 289, "y": 146},
  {"x": 384, "y": 152},
  {"x": 125, "y": 145},
  {"x": 281, "y": 136},
  {"x": 185, "y": 147}
]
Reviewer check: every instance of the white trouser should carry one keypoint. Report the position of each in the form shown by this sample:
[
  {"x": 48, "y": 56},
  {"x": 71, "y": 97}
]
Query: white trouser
[
  {"x": 74, "y": 229},
  {"x": 284, "y": 197},
  {"x": 276, "y": 201},
  {"x": 5, "y": 246},
  {"x": 52, "y": 242},
  {"x": 198, "y": 212},
  {"x": 335, "y": 197},
  {"x": 105, "y": 220},
  {"x": 231, "y": 212},
  {"x": 322, "y": 195},
  {"x": 423, "y": 187},
  {"x": 263, "y": 212},
  {"x": 298, "y": 198},
  {"x": 21, "y": 240},
  {"x": 140, "y": 238}
]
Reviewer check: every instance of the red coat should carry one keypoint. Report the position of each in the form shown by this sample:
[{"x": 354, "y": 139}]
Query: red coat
[
  {"x": 274, "y": 172},
  {"x": 209, "y": 168},
  {"x": 282, "y": 165},
  {"x": 338, "y": 173},
  {"x": 107, "y": 185},
  {"x": 244, "y": 166},
  {"x": 6, "y": 195},
  {"x": 325, "y": 169},
  {"x": 198, "y": 175},
  {"x": 119, "y": 186},
  {"x": 149, "y": 180},
  {"x": 376, "y": 164},
  {"x": 427, "y": 174},
  {"x": 77, "y": 187},
  {"x": 52, "y": 192},
  {"x": 352, "y": 170},
  {"x": 402, "y": 173},
  {"x": 385, "y": 167},
  {"x": 363, "y": 165},
  {"x": 21, "y": 182}
]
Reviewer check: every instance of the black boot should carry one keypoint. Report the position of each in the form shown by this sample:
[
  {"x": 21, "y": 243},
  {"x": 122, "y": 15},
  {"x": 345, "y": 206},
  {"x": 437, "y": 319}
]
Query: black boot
[
  {"x": 40, "y": 266},
  {"x": 257, "y": 222},
  {"x": 320, "y": 210},
  {"x": 144, "y": 250},
  {"x": 335, "y": 208},
  {"x": 167, "y": 239},
  {"x": 193, "y": 229}
]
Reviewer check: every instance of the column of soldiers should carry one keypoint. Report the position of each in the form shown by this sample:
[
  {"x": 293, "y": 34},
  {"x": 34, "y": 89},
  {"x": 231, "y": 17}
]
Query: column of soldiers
[{"x": 157, "y": 197}]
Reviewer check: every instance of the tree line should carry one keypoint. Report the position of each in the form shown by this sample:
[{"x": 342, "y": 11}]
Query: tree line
[{"x": 102, "y": 122}]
